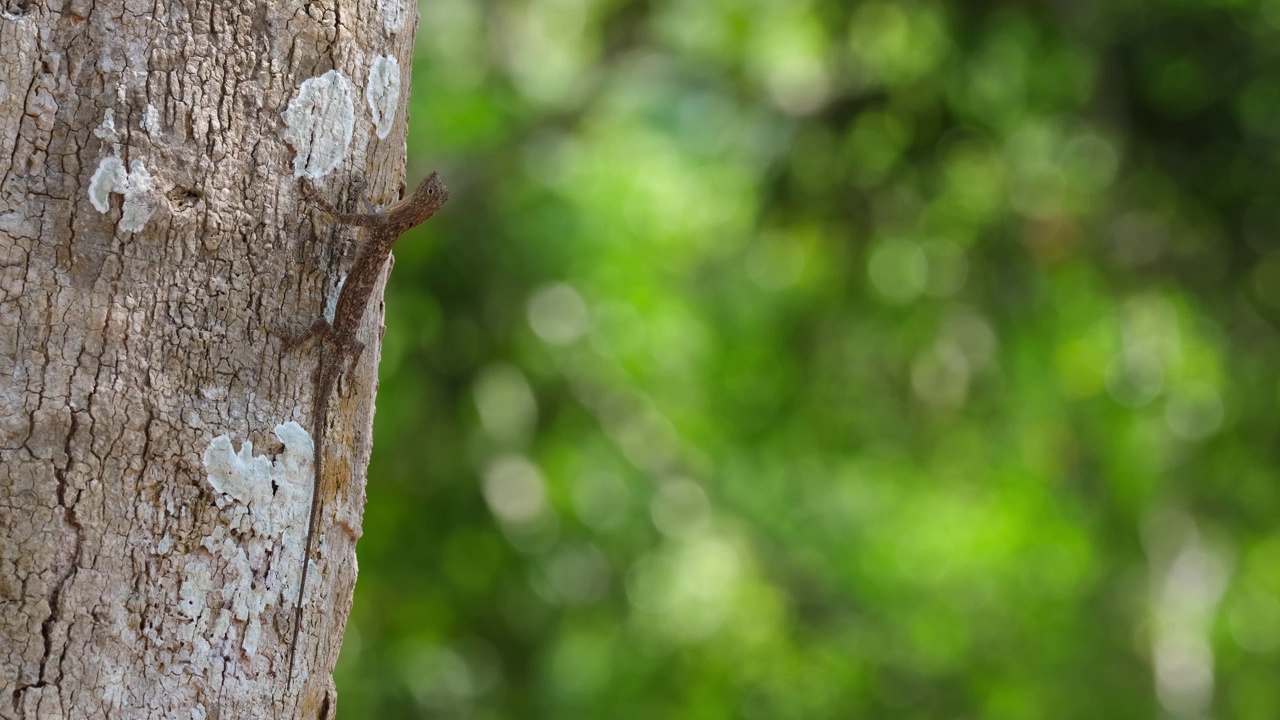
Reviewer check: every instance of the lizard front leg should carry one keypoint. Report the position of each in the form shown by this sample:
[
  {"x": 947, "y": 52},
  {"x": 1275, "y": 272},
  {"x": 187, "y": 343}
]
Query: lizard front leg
[
  {"x": 357, "y": 219},
  {"x": 319, "y": 330}
]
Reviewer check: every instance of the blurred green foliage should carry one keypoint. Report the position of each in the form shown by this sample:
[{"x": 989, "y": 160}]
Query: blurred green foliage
[{"x": 817, "y": 359}]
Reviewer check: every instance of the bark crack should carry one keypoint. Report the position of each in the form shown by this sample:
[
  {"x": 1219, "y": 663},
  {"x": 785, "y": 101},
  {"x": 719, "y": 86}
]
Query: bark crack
[{"x": 55, "y": 596}]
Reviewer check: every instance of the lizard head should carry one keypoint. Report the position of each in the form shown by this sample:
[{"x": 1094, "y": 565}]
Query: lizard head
[
  {"x": 420, "y": 206},
  {"x": 430, "y": 195}
]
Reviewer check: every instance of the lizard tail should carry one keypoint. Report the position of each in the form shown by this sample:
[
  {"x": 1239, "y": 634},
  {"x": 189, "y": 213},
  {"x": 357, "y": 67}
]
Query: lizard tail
[{"x": 324, "y": 387}]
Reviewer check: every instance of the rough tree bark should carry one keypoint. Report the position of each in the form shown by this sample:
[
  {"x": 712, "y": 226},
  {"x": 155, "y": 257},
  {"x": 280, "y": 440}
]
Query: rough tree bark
[{"x": 155, "y": 431}]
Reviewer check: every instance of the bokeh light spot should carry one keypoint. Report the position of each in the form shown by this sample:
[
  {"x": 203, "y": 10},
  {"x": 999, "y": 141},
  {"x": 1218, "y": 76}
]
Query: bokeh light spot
[
  {"x": 1135, "y": 377},
  {"x": 899, "y": 270},
  {"x": 506, "y": 405},
  {"x": 579, "y": 575},
  {"x": 686, "y": 591},
  {"x": 514, "y": 489},
  {"x": 558, "y": 314},
  {"x": 940, "y": 375},
  {"x": 680, "y": 508}
]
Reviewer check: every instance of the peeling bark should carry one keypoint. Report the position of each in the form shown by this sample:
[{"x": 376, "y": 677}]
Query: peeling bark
[{"x": 155, "y": 457}]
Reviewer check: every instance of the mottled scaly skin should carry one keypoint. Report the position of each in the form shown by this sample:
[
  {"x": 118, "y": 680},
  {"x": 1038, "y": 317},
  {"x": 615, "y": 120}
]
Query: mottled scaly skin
[{"x": 381, "y": 232}]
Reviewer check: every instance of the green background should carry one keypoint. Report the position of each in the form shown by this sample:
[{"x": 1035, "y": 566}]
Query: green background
[{"x": 804, "y": 359}]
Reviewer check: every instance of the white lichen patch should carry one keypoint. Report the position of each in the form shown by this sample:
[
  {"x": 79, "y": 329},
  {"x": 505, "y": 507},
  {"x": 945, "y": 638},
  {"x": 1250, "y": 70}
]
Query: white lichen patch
[
  {"x": 193, "y": 594},
  {"x": 255, "y": 555},
  {"x": 262, "y": 490},
  {"x": 383, "y": 93},
  {"x": 108, "y": 178},
  {"x": 107, "y": 128},
  {"x": 139, "y": 198},
  {"x": 136, "y": 185},
  {"x": 393, "y": 14},
  {"x": 150, "y": 119},
  {"x": 319, "y": 123}
]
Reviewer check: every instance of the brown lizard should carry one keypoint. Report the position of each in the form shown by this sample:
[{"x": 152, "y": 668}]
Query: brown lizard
[{"x": 381, "y": 231}]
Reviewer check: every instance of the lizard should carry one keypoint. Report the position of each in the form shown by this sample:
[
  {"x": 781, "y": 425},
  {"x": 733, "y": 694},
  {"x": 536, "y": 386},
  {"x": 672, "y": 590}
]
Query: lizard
[{"x": 381, "y": 230}]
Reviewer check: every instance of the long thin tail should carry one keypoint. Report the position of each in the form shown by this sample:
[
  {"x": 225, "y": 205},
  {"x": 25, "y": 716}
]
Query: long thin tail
[{"x": 324, "y": 387}]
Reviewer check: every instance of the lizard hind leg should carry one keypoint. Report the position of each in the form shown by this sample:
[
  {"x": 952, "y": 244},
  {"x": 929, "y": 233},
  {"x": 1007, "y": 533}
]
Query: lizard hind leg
[{"x": 320, "y": 330}]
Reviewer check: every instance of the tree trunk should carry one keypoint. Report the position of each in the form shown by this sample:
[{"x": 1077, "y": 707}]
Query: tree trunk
[{"x": 155, "y": 429}]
